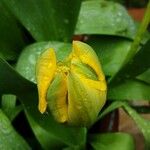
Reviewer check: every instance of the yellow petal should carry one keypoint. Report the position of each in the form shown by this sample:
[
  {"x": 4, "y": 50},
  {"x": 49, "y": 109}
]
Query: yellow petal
[
  {"x": 86, "y": 86},
  {"x": 99, "y": 85},
  {"x": 87, "y": 55},
  {"x": 45, "y": 71},
  {"x": 57, "y": 98},
  {"x": 84, "y": 102},
  {"x": 83, "y": 69}
]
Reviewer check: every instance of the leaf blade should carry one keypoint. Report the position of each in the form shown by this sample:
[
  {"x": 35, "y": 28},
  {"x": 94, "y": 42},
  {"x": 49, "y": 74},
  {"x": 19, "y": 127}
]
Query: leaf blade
[
  {"x": 10, "y": 139},
  {"x": 137, "y": 65},
  {"x": 43, "y": 20},
  {"x": 9, "y": 45},
  {"x": 143, "y": 125},
  {"x": 113, "y": 141},
  {"x": 103, "y": 17},
  {"x": 129, "y": 90}
]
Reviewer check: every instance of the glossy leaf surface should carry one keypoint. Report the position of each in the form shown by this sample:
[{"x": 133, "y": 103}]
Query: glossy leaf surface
[
  {"x": 113, "y": 141},
  {"x": 11, "y": 38},
  {"x": 47, "y": 19},
  {"x": 9, "y": 138},
  {"x": 104, "y": 17}
]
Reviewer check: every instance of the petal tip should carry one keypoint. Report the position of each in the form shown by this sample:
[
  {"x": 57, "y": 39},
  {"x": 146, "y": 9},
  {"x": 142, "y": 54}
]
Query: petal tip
[{"x": 42, "y": 108}]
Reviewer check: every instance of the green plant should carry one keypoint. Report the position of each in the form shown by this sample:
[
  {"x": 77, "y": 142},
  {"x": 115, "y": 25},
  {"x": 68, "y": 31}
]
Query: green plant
[{"x": 122, "y": 49}]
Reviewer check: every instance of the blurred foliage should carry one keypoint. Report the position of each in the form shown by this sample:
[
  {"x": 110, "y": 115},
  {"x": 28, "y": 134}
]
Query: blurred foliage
[{"x": 132, "y": 3}]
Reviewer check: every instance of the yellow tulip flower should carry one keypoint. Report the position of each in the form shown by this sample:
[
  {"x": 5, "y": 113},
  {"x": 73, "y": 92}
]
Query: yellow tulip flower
[{"x": 75, "y": 89}]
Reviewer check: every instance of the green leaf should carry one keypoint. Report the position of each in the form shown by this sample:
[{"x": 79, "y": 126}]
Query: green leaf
[
  {"x": 143, "y": 125},
  {"x": 8, "y": 101},
  {"x": 111, "y": 51},
  {"x": 137, "y": 65},
  {"x": 57, "y": 132},
  {"x": 9, "y": 138},
  {"x": 11, "y": 39},
  {"x": 9, "y": 106},
  {"x": 47, "y": 19},
  {"x": 112, "y": 141},
  {"x": 140, "y": 61},
  {"x": 74, "y": 148},
  {"x": 110, "y": 108},
  {"x": 145, "y": 76},
  {"x": 129, "y": 90},
  {"x": 50, "y": 141},
  {"x": 46, "y": 140},
  {"x": 27, "y": 60},
  {"x": 11, "y": 82},
  {"x": 104, "y": 17}
]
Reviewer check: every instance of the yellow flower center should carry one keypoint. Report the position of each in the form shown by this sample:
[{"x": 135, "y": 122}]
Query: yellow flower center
[{"x": 61, "y": 68}]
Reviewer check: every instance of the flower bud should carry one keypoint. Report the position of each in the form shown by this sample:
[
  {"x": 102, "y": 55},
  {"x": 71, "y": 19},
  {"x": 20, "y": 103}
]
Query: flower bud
[{"x": 75, "y": 89}]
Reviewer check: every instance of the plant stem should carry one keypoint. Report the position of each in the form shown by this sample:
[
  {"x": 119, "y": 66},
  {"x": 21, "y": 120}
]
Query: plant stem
[{"x": 135, "y": 45}]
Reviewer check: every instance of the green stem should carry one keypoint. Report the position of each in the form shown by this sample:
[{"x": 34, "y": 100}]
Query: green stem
[
  {"x": 142, "y": 29},
  {"x": 135, "y": 45}
]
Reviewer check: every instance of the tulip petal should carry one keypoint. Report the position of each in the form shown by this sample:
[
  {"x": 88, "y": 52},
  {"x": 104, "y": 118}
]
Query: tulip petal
[
  {"x": 99, "y": 85},
  {"x": 57, "y": 98},
  {"x": 45, "y": 71},
  {"x": 88, "y": 75},
  {"x": 87, "y": 55},
  {"x": 83, "y": 69},
  {"x": 84, "y": 102}
]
